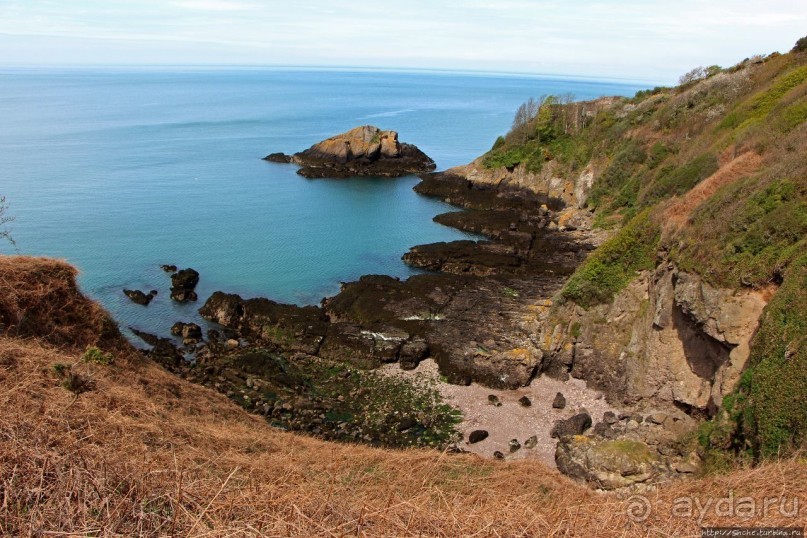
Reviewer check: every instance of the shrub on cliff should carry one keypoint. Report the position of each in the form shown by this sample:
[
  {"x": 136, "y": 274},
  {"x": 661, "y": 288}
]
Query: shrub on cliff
[
  {"x": 614, "y": 264},
  {"x": 801, "y": 45}
]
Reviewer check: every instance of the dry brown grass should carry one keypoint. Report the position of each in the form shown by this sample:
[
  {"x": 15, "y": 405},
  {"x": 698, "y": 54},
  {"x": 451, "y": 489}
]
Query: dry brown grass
[
  {"x": 148, "y": 454},
  {"x": 679, "y": 209},
  {"x": 39, "y": 298}
]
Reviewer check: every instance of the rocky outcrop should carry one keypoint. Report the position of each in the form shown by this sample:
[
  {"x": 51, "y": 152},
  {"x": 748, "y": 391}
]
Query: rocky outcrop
[
  {"x": 629, "y": 450},
  {"x": 183, "y": 285},
  {"x": 363, "y": 151},
  {"x": 575, "y": 425},
  {"x": 190, "y": 333},
  {"x": 671, "y": 340},
  {"x": 548, "y": 183},
  {"x": 608, "y": 464},
  {"x": 293, "y": 327},
  {"x": 139, "y": 297},
  {"x": 163, "y": 351},
  {"x": 477, "y": 319}
]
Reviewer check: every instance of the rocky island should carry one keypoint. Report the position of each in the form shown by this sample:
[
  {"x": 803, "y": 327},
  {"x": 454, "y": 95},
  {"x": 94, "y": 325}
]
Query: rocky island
[{"x": 363, "y": 151}]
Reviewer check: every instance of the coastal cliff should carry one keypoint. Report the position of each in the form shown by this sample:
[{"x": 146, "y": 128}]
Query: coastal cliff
[
  {"x": 637, "y": 245},
  {"x": 104, "y": 438},
  {"x": 648, "y": 248},
  {"x": 696, "y": 302}
]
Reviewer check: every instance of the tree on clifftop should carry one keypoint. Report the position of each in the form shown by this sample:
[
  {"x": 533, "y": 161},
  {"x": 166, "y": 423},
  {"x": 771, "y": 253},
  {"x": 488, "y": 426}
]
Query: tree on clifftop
[{"x": 5, "y": 219}]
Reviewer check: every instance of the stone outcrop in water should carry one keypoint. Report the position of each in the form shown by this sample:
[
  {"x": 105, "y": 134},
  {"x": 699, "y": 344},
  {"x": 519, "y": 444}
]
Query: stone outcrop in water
[
  {"x": 140, "y": 297},
  {"x": 477, "y": 319},
  {"x": 363, "y": 151},
  {"x": 183, "y": 284}
]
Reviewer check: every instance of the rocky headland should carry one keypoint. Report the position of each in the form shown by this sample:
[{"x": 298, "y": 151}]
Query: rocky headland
[
  {"x": 617, "y": 259},
  {"x": 362, "y": 151}
]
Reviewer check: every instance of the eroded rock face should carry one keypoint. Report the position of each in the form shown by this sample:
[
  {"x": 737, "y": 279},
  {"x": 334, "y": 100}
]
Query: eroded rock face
[
  {"x": 671, "y": 340},
  {"x": 363, "y": 151}
]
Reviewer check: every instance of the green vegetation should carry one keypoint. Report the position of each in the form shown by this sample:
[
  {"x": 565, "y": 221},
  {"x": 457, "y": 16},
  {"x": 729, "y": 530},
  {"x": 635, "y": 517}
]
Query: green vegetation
[
  {"x": 543, "y": 130},
  {"x": 793, "y": 116},
  {"x": 635, "y": 451},
  {"x": 765, "y": 415},
  {"x": 339, "y": 402},
  {"x": 509, "y": 292},
  {"x": 96, "y": 356},
  {"x": 678, "y": 180},
  {"x": 614, "y": 264},
  {"x": 777, "y": 396},
  {"x": 747, "y": 233},
  {"x": 746, "y": 229},
  {"x": 71, "y": 380},
  {"x": 761, "y": 104}
]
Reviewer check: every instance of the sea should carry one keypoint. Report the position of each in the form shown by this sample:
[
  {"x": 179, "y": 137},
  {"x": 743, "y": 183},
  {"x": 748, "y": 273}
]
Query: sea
[{"x": 121, "y": 170}]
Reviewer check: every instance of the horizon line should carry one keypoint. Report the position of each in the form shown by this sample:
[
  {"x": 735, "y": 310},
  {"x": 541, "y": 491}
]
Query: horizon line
[{"x": 338, "y": 68}]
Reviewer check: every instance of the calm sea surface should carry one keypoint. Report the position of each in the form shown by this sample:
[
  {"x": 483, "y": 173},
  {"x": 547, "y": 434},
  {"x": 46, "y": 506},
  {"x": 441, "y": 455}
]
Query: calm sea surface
[{"x": 121, "y": 170}]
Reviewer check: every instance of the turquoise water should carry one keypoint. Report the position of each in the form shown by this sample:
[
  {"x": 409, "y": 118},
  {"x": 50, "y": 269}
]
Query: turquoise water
[{"x": 119, "y": 171}]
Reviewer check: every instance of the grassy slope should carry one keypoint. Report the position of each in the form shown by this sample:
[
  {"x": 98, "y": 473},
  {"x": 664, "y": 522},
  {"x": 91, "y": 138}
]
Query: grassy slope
[
  {"x": 146, "y": 453},
  {"x": 719, "y": 168}
]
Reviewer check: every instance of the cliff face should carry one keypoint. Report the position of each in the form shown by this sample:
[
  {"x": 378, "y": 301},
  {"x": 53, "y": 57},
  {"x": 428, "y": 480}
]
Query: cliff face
[
  {"x": 668, "y": 340},
  {"x": 701, "y": 189},
  {"x": 550, "y": 182}
]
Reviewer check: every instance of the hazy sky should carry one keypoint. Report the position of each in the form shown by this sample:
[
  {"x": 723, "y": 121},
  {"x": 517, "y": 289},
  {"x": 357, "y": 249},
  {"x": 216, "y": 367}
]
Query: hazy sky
[{"x": 641, "y": 39}]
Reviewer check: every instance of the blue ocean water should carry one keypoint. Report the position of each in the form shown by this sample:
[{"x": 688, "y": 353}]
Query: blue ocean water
[{"x": 121, "y": 170}]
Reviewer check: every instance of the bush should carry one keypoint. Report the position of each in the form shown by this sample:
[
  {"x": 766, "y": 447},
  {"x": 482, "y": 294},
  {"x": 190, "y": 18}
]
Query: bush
[
  {"x": 801, "y": 45},
  {"x": 614, "y": 264},
  {"x": 761, "y": 104},
  {"x": 72, "y": 381},
  {"x": 96, "y": 356},
  {"x": 626, "y": 162}
]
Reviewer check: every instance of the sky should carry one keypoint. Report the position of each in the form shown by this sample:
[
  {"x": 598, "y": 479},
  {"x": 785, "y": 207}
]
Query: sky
[{"x": 646, "y": 40}]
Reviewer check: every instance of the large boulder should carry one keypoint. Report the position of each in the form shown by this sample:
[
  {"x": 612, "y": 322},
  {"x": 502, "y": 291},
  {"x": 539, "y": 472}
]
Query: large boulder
[
  {"x": 575, "y": 425},
  {"x": 608, "y": 464},
  {"x": 362, "y": 151},
  {"x": 183, "y": 284}
]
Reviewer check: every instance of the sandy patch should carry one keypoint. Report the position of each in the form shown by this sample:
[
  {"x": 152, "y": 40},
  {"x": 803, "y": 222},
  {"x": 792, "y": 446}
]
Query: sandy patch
[{"x": 511, "y": 420}]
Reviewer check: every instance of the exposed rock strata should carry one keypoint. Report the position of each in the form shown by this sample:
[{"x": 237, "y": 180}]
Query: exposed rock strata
[{"x": 671, "y": 339}]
